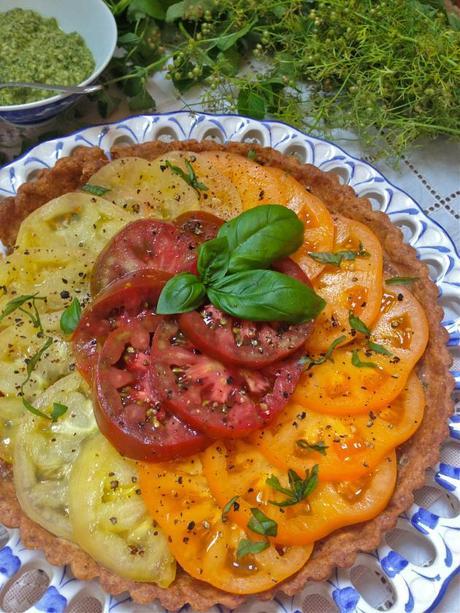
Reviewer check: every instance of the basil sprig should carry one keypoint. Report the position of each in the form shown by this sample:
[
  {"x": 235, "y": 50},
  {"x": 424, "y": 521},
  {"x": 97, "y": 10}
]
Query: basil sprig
[{"x": 232, "y": 271}]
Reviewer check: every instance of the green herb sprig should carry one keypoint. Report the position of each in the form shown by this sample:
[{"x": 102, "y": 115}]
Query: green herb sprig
[
  {"x": 232, "y": 271},
  {"x": 298, "y": 489},
  {"x": 388, "y": 70}
]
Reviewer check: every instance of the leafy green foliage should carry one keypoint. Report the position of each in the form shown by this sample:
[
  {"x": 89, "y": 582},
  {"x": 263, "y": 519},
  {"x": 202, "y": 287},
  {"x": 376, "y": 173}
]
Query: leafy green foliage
[
  {"x": 70, "y": 317},
  {"x": 400, "y": 280},
  {"x": 246, "y": 547},
  {"x": 388, "y": 70},
  {"x": 358, "y": 324},
  {"x": 356, "y": 361},
  {"x": 189, "y": 177},
  {"x": 298, "y": 489},
  {"x": 231, "y": 504},
  {"x": 262, "y": 524},
  {"x": 184, "y": 292},
  {"x": 335, "y": 258},
  {"x": 320, "y": 446},
  {"x": 309, "y": 362}
]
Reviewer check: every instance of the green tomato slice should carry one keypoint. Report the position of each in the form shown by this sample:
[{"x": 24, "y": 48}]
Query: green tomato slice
[
  {"x": 45, "y": 451},
  {"x": 109, "y": 518}
]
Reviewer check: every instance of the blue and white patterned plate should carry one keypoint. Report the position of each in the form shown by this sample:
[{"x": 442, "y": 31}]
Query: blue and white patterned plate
[{"x": 412, "y": 568}]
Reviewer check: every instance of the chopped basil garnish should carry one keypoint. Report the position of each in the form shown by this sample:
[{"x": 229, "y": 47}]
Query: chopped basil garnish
[
  {"x": 299, "y": 488},
  {"x": 376, "y": 348},
  {"x": 58, "y": 410},
  {"x": 335, "y": 258},
  {"x": 19, "y": 303},
  {"x": 309, "y": 362},
  {"x": 357, "y": 324},
  {"x": 262, "y": 524},
  {"x": 246, "y": 547},
  {"x": 252, "y": 154},
  {"x": 70, "y": 317},
  {"x": 320, "y": 446},
  {"x": 230, "y": 505},
  {"x": 190, "y": 178},
  {"x": 96, "y": 190},
  {"x": 356, "y": 361},
  {"x": 400, "y": 280}
]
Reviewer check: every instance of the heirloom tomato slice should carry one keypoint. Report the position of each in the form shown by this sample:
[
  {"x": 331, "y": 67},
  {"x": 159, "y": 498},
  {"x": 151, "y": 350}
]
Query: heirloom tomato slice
[
  {"x": 109, "y": 519},
  {"x": 201, "y": 225},
  {"x": 237, "y": 470},
  {"x": 353, "y": 286},
  {"x": 360, "y": 378},
  {"x": 259, "y": 184},
  {"x": 241, "y": 342},
  {"x": 344, "y": 447},
  {"x": 132, "y": 298},
  {"x": 128, "y": 408},
  {"x": 144, "y": 244},
  {"x": 203, "y": 542},
  {"x": 218, "y": 399}
]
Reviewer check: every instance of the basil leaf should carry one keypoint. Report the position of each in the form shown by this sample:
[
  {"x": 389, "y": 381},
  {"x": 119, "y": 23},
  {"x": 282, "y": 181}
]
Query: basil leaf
[
  {"x": 376, "y": 348},
  {"x": 245, "y": 547},
  {"x": 309, "y": 362},
  {"x": 17, "y": 303},
  {"x": 332, "y": 257},
  {"x": 275, "y": 484},
  {"x": 261, "y": 235},
  {"x": 356, "y": 361},
  {"x": 320, "y": 446},
  {"x": 231, "y": 504},
  {"x": 265, "y": 295},
  {"x": 213, "y": 259},
  {"x": 182, "y": 293},
  {"x": 262, "y": 524},
  {"x": 357, "y": 324},
  {"x": 30, "y": 407},
  {"x": 70, "y": 317},
  {"x": 189, "y": 177},
  {"x": 96, "y": 190},
  {"x": 400, "y": 280},
  {"x": 58, "y": 410},
  {"x": 33, "y": 361}
]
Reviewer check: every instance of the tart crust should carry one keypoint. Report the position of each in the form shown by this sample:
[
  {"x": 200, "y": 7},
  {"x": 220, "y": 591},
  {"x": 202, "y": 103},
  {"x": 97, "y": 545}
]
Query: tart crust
[{"x": 421, "y": 451}]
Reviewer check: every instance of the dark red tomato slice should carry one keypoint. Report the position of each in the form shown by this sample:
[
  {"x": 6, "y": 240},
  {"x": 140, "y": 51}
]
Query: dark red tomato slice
[
  {"x": 220, "y": 400},
  {"x": 132, "y": 298},
  {"x": 203, "y": 226},
  {"x": 128, "y": 408},
  {"x": 144, "y": 244},
  {"x": 246, "y": 343}
]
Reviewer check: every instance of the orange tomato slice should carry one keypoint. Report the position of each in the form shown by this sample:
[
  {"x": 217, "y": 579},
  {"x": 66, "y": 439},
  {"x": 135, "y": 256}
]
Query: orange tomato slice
[
  {"x": 355, "y": 285},
  {"x": 237, "y": 469},
  {"x": 340, "y": 388},
  {"x": 352, "y": 445},
  {"x": 258, "y": 185},
  {"x": 178, "y": 497}
]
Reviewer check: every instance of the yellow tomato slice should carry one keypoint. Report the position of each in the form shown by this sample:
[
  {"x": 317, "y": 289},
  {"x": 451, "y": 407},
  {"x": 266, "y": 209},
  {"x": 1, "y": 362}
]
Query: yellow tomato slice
[
  {"x": 238, "y": 469},
  {"x": 355, "y": 285},
  {"x": 258, "y": 185},
  {"x": 345, "y": 447},
  {"x": 340, "y": 387},
  {"x": 178, "y": 497}
]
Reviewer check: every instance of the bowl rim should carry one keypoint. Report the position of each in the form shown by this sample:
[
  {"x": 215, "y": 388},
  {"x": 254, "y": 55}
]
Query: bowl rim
[{"x": 113, "y": 34}]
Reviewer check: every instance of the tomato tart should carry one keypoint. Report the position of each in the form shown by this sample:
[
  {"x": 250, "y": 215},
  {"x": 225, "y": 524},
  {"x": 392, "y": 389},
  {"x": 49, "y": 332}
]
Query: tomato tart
[{"x": 221, "y": 372}]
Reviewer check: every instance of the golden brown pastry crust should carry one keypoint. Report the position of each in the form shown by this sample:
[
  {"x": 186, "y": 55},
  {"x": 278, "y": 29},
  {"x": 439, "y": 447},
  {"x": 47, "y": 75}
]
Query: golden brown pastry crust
[{"x": 417, "y": 454}]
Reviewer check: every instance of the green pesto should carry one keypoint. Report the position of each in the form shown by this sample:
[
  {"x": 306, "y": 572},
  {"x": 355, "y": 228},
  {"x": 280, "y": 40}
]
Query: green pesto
[{"x": 34, "y": 48}]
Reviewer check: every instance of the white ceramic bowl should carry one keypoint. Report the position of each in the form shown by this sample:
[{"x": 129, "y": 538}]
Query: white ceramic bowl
[{"x": 94, "y": 22}]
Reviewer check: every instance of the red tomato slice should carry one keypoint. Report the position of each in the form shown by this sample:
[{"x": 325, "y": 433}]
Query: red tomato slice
[
  {"x": 220, "y": 400},
  {"x": 128, "y": 408},
  {"x": 144, "y": 244},
  {"x": 202, "y": 225},
  {"x": 246, "y": 343},
  {"x": 132, "y": 298}
]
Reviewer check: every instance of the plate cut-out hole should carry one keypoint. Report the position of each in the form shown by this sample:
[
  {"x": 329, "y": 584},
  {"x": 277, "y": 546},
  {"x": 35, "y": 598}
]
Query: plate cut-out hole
[
  {"x": 373, "y": 586},
  {"x": 450, "y": 453},
  {"x": 435, "y": 268},
  {"x": 33, "y": 174},
  {"x": 376, "y": 199},
  {"x": 85, "y": 603},
  {"x": 4, "y": 536},
  {"x": 166, "y": 134},
  {"x": 318, "y": 603},
  {"x": 412, "y": 545},
  {"x": 408, "y": 227},
  {"x": 125, "y": 140},
  {"x": 437, "y": 501},
  {"x": 213, "y": 134},
  {"x": 341, "y": 172},
  {"x": 297, "y": 151},
  {"x": 23, "y": 590},
  {"x": 253, "y": 137}
]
